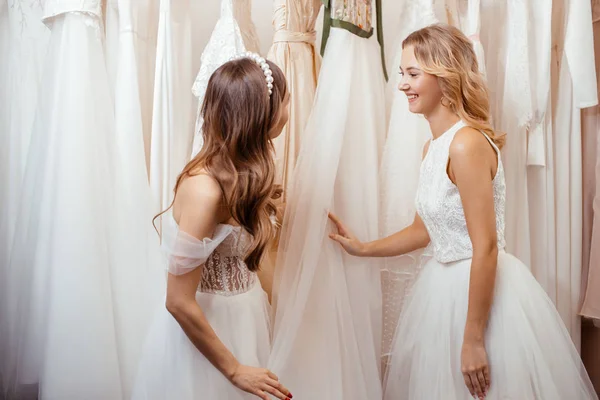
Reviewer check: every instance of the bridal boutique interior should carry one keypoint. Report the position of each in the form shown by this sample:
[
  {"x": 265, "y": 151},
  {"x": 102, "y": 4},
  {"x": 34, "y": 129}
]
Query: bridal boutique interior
[{"x": 99, "y": 112}]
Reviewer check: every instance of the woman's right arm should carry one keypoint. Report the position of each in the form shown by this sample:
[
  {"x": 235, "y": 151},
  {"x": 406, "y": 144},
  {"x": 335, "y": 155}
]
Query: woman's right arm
[
  {"x": 197, "y": 208},
  {"x": 411, "y": 238}
]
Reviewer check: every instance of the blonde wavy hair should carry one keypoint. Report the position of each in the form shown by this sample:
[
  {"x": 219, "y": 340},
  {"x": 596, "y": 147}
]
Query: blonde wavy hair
[{"x": 444, "y": 51}]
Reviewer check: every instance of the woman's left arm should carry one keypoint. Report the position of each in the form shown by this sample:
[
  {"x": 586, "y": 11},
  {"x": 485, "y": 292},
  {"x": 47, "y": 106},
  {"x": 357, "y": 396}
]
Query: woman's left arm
[{"x": 473, "y": 164}]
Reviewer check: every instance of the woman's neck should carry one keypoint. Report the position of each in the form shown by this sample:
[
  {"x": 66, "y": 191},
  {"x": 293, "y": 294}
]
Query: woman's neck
[{"x": 440, "y": 120}]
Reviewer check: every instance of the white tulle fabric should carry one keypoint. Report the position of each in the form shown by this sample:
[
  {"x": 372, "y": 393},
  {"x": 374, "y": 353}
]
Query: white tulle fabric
[
  {"x": 185, "y": 252},
  {"x": 327, "y": 327},
  {"x": 173, "y": 106},
  {"x": 407, "y": 134},
  {"x": 224, "y": 271},
  {"x": 233, "y": 303},
  {"x": 82, "y": 263},
  {"x": 530, "y": 352},
  {"x": 227, "y": 40},
  {"x": 23, "y": 45}
]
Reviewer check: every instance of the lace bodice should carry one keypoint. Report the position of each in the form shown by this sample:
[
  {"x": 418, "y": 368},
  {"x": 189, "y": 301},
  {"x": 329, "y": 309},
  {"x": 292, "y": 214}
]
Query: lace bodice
[
  {"x": 222, "y": 258},
  {"x": 233, "y": 34},
  {"x": 225, "y": 271},
  {"x": 440, "y": 207}
]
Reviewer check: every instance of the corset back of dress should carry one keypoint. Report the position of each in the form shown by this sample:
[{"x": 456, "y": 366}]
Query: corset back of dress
[
  {"x": 440, "y": 206},
  {"x": 225, "y": 272}
]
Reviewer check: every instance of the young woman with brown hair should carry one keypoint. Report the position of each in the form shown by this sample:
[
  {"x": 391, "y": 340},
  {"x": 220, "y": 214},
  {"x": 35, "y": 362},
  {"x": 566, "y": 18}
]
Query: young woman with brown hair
[{"x": 213, "y": 340}]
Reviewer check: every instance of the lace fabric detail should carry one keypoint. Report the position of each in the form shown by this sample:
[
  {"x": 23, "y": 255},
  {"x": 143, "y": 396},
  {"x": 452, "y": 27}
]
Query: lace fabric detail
[
  {"x": 233, "y": 34},
  {"x": 225, "y": 272},
  {"x": 356, "y": 12},
  {"x": 440, "y": 207},
  {"x": 221, "y": 257}
]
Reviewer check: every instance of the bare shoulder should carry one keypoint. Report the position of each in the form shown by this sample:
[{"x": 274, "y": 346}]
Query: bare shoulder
[
  {"x": 469, "y": 141},
  {"x": 471, "y": 152},
  {"x": 198, "y": 193}
]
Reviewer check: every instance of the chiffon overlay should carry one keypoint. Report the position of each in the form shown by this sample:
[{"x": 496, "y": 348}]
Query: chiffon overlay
[{"x": 327, "y": 324}]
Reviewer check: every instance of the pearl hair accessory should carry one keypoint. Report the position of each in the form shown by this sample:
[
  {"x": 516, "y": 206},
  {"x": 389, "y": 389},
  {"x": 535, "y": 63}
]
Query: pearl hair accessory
[{"x": 262, "y": 63}]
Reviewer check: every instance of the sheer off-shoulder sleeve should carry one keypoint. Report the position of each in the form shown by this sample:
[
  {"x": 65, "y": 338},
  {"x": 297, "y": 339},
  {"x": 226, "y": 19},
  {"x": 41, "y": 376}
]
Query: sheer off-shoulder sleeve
[{"x": 185, "y": 252}]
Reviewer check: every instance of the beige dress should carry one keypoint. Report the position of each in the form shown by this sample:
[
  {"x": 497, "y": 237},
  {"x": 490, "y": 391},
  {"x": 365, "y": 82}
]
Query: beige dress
[{"x": 293, "y": 50}]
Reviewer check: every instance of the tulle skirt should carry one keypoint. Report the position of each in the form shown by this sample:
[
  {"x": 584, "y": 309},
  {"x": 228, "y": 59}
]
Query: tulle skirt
[
  {"x": 173, "y": 368},
  {"x": 530, "y": 352}
]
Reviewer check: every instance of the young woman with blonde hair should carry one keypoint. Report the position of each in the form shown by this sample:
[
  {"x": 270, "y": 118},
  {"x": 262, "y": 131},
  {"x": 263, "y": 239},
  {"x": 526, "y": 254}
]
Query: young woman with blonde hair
[{"x": 477, "y": 323}]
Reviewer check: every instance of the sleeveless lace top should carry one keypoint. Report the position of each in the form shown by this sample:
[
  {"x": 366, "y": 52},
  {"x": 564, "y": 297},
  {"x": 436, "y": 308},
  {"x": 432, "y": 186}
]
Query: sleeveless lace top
[
  {"x": 439, "y": 204},
  {"x": 224, "y": 271}
]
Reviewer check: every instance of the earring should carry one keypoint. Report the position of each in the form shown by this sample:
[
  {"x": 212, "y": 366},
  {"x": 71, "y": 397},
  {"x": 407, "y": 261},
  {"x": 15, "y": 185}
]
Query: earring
[{"x": 445, "y": 105}]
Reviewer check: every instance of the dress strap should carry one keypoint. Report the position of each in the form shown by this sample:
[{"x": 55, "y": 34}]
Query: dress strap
[{"x": 491, "y": 142}]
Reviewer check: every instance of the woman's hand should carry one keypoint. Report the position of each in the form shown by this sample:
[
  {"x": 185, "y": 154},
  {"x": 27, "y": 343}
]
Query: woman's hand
[
  {"x": 349, "y": 242},
  {"x": 260, "y": 382},
  {"x": 475, "y": 368}
]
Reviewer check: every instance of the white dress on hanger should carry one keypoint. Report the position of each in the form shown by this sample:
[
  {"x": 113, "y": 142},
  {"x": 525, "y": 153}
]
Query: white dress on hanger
[
  {"x": 138, "y": 280},
  {"x": 234, "y": 304},
  {"x": 575, "y": 65},
  {"x": 85, "y": 264},
  {"x": 234, "y": 33},
  {"x": 64, "y": 339},
  {"x": 142, "y": 25},
  {"x": 327, "y": 324},
  {"x": 23, "y": 46},
  {"x": 173, "y": 107},
  {"x": 530, "y": 353},
  {"x": 508, "y": 61},
  {"x": 399, "y": 174}
]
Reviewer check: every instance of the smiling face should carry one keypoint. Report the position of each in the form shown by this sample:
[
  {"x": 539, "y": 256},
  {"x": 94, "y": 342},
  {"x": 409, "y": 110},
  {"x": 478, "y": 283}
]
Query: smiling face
[{"x": 422, "y": 89}]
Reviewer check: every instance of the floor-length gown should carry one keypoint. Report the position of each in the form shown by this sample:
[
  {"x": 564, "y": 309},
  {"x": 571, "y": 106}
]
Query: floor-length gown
[
  {"x": 232, "y": 301},
  {"x": 23, "y": 42},
  {"x": 228, "y": 39},
  {"x": 574, "y": 70},
  {"x": 327, "y": 323},
  {"x": 530, "y": 352},
  {"x": 143, "y": 27},
  {"x": 173, "y": 106},
  {"x": 590, "y": 295},
  {"x": 406, "y": 136},
  {"x": 293, "y": 50},
  {"x": 82, "y": 261},
  {"x": 137, "y": 273}
]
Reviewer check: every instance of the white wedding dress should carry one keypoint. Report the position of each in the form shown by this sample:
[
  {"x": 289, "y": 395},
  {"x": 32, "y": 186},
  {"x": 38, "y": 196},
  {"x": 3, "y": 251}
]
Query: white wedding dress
[
  {"x": 84, "y": 268},
  {"x": 530, "y": 353},
  {"x": 23, "y": 46},
  {"x": 327, "y": 324},
  {"x": 234, "y": 304},
  {"x": 234, "y": 33}
]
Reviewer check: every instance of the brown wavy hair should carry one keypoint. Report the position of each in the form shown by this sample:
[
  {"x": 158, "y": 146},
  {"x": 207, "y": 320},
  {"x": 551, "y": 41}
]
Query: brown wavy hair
[
  {"x": 238, "y": 116},
  {"x": 444, "y": 51}
]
